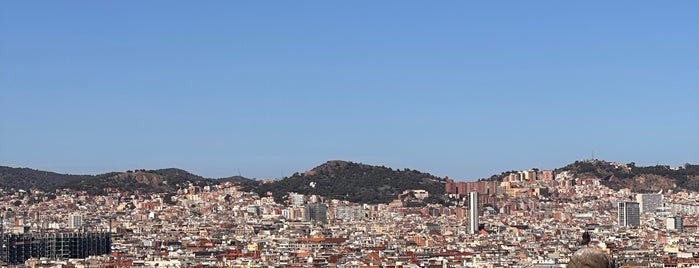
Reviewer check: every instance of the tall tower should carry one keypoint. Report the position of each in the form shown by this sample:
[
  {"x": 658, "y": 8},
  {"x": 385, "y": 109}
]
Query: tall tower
[
  {"x": 629, "y": 214},
  {"x": 473, "y": 212}
]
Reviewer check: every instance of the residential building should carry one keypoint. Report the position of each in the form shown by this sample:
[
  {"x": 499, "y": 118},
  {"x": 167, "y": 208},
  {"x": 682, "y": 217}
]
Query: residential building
[
  {"x": 649, "y": 202},
  {"x": 316, "y": 212}
]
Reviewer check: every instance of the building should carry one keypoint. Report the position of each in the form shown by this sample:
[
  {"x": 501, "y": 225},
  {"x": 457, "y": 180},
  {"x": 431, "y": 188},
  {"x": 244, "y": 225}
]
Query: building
[
  {"x": 529, "y": 175},
  {"x": 316, "y": 212},
  {"x": 349, "y": 212},
  {"x": 18, "y": 248},
  {"x": 649, "y": 202},
  {"x": 629, "y": 214},
  {"x": 473, "y": 212},
  {"x": 297, "y": 200},
  {"x": 675, "y": 223},
  {"x": 484, "y": 188},
  {"x": 75, "y": 221},
  {"x": 547, "y": 175},
  {"x": 450, "y": 186}
]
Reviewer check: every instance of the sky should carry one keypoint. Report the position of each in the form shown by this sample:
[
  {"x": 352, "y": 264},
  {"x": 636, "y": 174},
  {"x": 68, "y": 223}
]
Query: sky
[{"x": 264, "y": 89}]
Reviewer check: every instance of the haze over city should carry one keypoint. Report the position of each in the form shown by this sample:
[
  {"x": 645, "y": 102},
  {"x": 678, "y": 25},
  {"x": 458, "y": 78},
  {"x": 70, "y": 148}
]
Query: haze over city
[{"x": 458, "y": 89}]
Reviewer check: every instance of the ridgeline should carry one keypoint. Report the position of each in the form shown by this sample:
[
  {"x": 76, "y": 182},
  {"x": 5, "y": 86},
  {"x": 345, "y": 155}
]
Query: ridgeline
[
  {"x": 355, "y": 182},
  {"x": 637, "y": 178}
]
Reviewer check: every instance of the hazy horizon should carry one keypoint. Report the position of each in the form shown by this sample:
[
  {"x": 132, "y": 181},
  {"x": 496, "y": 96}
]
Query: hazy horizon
[{"x": 457, "y": 89}]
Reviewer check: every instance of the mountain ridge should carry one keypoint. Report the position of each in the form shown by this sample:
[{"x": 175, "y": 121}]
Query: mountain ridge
[{"x": 339, "y": 179}]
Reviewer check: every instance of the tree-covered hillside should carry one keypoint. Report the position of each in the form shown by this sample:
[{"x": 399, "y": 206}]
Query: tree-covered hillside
[{"x": 354, "y": 182}]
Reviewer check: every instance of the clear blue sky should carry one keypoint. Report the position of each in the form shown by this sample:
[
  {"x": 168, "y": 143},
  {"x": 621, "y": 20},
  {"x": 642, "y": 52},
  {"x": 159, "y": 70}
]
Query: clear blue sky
[{"x": 455, "y": 88}]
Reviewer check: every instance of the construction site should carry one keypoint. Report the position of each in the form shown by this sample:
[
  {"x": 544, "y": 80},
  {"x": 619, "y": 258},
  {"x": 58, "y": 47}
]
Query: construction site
[{"x": 17, "y": 248}]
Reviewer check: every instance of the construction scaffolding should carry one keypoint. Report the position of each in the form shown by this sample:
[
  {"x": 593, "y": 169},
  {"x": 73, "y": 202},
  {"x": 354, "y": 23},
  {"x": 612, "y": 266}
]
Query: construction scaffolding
[{"x": 17, "y": 248}]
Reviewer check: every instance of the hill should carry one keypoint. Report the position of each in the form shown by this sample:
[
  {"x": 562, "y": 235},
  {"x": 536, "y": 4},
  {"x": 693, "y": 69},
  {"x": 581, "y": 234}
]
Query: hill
[
  {"x": 245, "y": 184},
  {"x": 638, "y": 179},
  {"x": 26, "y": 178},
  {"x": 342, "y": 180},
  {"x": 354, "y": 182},
  {"x": 160, "y": 180}
]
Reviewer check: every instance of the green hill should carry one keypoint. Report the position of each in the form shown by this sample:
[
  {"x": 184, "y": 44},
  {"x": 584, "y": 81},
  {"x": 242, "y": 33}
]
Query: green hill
[
  {"x": 354, "y": 182},
  {"x": 26, "y": 178},
  {"x": 161, "y": 180}
]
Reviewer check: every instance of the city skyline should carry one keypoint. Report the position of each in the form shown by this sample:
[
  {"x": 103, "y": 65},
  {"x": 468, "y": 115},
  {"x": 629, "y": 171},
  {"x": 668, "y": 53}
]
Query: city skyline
[{"x": 464, "y": 90}]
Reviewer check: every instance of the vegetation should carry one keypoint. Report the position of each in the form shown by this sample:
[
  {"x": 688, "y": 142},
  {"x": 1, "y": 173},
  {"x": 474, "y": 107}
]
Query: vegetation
[
  {"x": 498, "y": 177},
  {"x": 25, "y": 178},
  {"x": 638, "y": 179},
  {"x": 161, "y": 180},
  {"x": 354, "y": 182}
]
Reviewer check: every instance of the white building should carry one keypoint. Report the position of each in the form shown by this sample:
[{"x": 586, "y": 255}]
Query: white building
[
  {"x": 649, "y": 202},
  {"x": 473, "y": 212},
  {"x": 297, "y": 200},
  {"x": 675, "y": 223},
  {"x": 75, "y": 221}
]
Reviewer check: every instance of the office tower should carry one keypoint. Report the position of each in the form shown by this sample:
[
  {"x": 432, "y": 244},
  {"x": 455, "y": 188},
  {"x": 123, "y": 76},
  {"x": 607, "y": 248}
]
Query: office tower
[
  {"x": 75, "y": 221},
  {"x": 316, "y": 212},
  {"x": 649, "y": 202},
  {"x": 629, "y": 214},
  {"x": 473, "y": 212}
]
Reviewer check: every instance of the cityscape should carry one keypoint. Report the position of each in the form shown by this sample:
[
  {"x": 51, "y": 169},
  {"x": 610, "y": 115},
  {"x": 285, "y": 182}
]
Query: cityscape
[
  {"x": 349, "y": 134},
  {"x": 532, "y": 218}
]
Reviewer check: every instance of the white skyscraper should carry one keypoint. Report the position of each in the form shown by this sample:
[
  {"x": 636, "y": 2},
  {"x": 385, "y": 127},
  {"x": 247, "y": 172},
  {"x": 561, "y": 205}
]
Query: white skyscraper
[{"x": 473, "y": 212}]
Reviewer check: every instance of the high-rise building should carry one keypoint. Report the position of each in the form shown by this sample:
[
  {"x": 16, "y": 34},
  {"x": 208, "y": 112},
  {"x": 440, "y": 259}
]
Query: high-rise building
[
  {"x": 450, "y": 186},
  {"x": 473, "y": 212},
  {"x": 316, "y": 212},
  {"x": 547, "y": 175},
  {"x": 629, "y": 214},
  {"x": 75, "y": 221},
  {"x": 297, "y": 200},
  {"x": 675, "y": 223},
  {"x": 529, "y": 174},
  {"x": 649, "y": 202}
]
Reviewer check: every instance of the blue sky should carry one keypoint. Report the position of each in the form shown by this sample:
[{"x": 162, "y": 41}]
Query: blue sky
[{"x": 455, "y": 88}]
